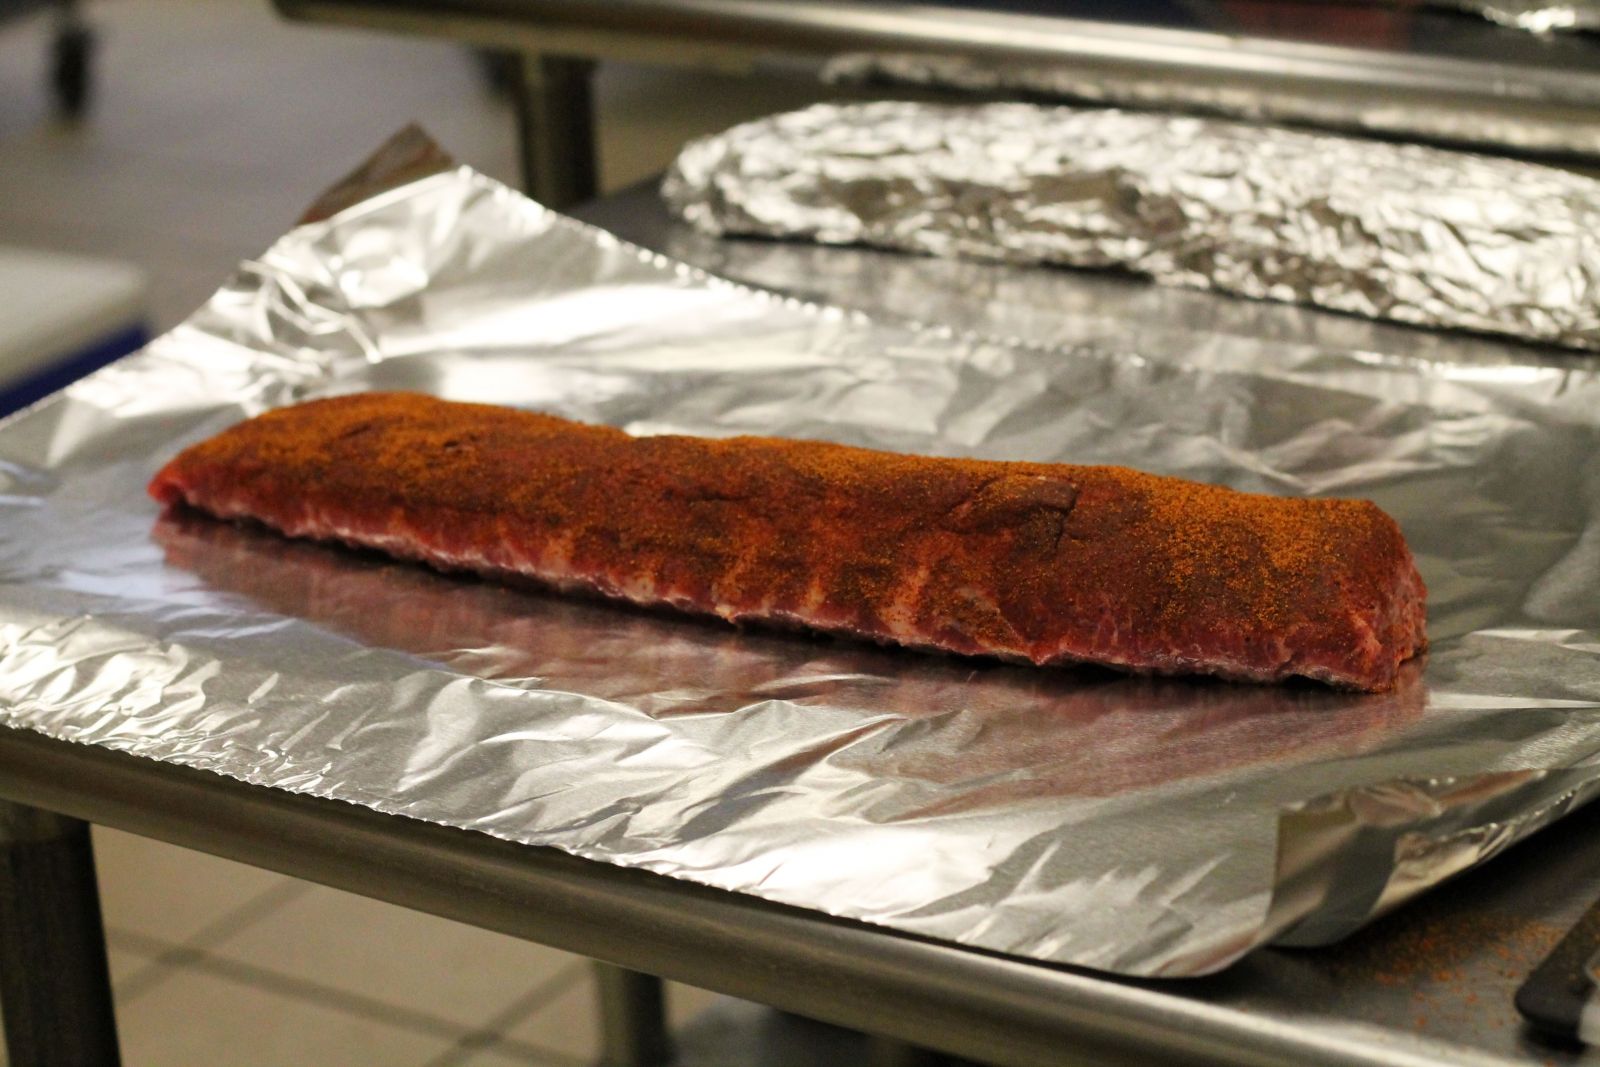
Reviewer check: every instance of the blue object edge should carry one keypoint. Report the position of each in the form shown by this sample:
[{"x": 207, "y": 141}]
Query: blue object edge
[{"x": 58, "y": 376}]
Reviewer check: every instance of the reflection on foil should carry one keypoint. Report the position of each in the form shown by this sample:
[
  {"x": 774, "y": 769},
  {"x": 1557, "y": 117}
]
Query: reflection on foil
[
  {"x": 1436, "y": 840},
  {"x": 1141, "y": 826},
  {"x": 1401, "y": 232},
  {"x": 980, "y": 734},
  {"x": 1409, "y": 119},
  {"x": 1111, "y": 312}
]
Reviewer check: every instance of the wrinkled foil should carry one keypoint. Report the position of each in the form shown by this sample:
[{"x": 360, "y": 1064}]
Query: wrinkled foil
[
  {"x": 1401, "y": 232},
  {"x": 1535, "y": 16},
  {"x": 1387, "y": 116},
  {"x": 1140, "y": 826}
]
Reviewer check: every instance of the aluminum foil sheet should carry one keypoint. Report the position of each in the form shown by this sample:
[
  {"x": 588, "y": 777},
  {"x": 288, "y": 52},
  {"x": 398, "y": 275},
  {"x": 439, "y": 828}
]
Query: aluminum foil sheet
[
  {"x": 1535, "y": 16},
  {"x": 1383, "y": 115},
  {"x": 1141, "y": 826},
  {"x": 1401, "y": 232}
]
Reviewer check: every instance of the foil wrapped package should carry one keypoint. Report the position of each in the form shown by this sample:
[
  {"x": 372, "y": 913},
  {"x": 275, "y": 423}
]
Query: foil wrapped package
[
  {"x": 1535, "y": 16},
  {"x": 1369, "y": 113},
  {"x": 1156, "y": 827},
  {"x": 1402, "y": 232}
]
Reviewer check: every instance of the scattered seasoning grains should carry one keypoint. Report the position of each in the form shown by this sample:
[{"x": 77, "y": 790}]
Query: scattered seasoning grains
[
  {"x": 1457, "y": 965},
  {"x": 1045, "y": 563}
]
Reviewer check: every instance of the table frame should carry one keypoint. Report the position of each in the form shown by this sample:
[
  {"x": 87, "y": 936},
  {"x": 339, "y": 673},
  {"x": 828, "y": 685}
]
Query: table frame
[
  {"x": 55, "y": 982},
  {"x": 559, "y": 40},
  {"x": 965, "y": 1002}
]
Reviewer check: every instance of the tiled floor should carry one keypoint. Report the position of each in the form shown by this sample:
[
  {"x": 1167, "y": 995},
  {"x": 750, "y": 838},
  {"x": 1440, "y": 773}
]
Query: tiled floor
[
  {"x": 214, "y": 126},
  {"x": 209, "y": 955}
]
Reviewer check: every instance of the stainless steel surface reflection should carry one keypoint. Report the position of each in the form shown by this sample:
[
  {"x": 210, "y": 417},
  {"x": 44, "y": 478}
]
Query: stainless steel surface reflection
[
  {"x": 1149, "y": 827},
  {"x": 1018, "y": 733}
]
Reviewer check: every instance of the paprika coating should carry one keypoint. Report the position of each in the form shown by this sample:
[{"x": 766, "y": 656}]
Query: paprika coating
[{"x": 1031, "y": 562}]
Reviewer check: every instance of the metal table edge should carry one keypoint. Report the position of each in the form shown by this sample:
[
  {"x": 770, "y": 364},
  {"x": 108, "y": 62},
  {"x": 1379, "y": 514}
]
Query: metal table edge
[
  {"x": 961, "y": 1001},
  {"x": 708, "y": 31}
]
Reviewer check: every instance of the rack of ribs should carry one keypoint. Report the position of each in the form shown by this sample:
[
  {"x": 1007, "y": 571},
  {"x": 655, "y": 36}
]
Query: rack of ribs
[{"x": 1030, "y": 562}]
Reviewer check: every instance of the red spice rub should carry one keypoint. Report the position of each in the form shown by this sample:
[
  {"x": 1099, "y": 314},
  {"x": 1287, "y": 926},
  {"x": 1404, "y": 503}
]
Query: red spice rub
[{"x": 1046, "y": 563}]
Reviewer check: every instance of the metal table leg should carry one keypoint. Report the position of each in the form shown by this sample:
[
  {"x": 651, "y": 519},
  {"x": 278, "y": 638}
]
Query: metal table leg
[
  {"x": 555, "y": 129},
  {"x": 633, "y": 1018},
  {"x": 55, "y": 987}
]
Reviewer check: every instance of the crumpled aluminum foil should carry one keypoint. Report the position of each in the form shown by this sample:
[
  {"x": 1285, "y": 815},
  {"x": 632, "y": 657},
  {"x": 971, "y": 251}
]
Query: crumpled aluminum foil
[
  {"x": 1141, "y": 826},
  {"x": 1535, "y": 16},
  {"x": 1391, "y": 231},
  {"x": 1386, "y": 116}
]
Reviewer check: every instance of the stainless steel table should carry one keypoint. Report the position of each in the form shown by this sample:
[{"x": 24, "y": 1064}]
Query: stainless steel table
[
  {"x": 1431, "y": 984},
  {"x": 1465, "y": 68}
]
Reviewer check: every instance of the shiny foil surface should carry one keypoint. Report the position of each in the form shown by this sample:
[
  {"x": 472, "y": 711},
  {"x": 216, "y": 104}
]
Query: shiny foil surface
[
  {"x": 1535, "y": 16},
  {"x": 1405, "y": 118},
  {"x": 1391, "y": 231},
  {"x": 1156, "y": 827}
]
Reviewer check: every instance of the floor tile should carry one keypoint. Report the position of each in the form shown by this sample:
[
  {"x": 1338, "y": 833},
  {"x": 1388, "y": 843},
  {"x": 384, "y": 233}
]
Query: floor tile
[
  {"x": 128, "y": 963},
  {"x": 496, "y": 1057},
  {"x": 199, "y": 1019},
  {"x": 167, "y": 892},
  {"x": 401, "y": 957},
  {"x": 685, "y": 1002},
  {"x": 569, "y": 1025}
]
